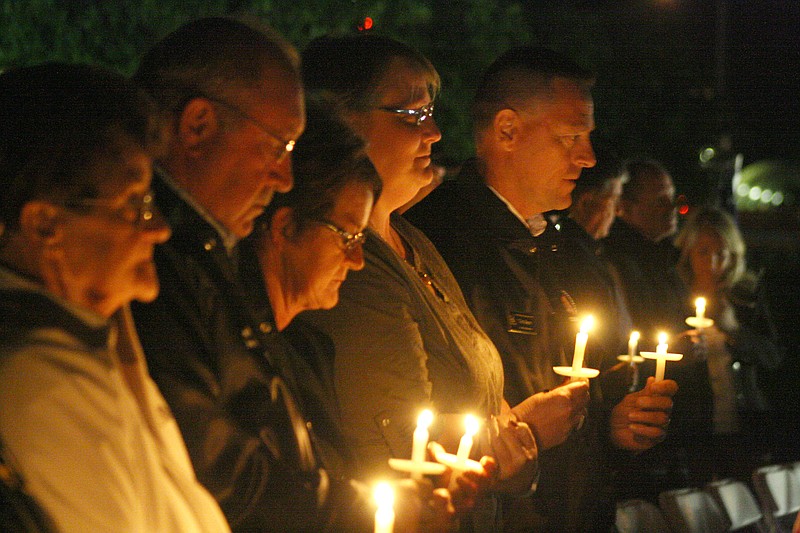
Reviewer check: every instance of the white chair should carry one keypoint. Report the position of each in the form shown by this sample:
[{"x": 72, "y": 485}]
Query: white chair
[
  {"x": 692, "y": 511},
  {"x": 640, "y": 516},
  {"x": 739, "y": 504},
  {"x": 778, "y": 490}
]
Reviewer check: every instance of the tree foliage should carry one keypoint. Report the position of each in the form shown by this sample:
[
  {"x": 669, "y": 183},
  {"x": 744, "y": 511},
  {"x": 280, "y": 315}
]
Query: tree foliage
[{"x": 652, "y": 95}]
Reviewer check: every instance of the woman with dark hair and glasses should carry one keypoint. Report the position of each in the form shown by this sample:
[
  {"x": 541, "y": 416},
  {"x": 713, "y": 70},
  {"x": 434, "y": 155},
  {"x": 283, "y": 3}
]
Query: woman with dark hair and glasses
[
  {"x": 303, "y": 247},
  {"x": 404, "y": 337},
  {"x": 81, "y": 421}
]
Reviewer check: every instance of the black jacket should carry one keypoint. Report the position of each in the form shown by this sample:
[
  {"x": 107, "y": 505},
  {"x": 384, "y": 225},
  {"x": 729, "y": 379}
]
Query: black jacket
[
  {"x": 509, "y": 279},
  {"x": 231, "y": 381}
]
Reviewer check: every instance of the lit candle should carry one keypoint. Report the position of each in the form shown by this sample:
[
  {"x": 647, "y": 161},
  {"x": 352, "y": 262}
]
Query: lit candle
[
  {"x": 580, "y": 343},
  {"x": 700, "y": 309},
  {"x": 661, "y": 350},
  {"x": 384, "y": 516},
  {"x": 465, "y": 445},
  {"x": 662, "y": 356},
  {"x": 420, "y": 441},
  {"x": 633, "y": 342}
]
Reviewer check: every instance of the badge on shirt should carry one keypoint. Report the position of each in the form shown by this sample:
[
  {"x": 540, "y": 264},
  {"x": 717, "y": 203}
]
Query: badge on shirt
[{"x": 522, "y": 323}]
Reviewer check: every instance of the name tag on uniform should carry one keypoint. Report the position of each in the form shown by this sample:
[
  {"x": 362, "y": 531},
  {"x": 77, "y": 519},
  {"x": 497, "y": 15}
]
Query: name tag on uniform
[{"x": 522, "y": 323}]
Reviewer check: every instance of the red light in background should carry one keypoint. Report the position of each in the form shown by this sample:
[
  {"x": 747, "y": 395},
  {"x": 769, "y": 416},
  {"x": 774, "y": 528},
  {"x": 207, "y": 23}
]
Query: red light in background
[
  {"x": 367, "y": 25},
  {"x": 682, "y": 203}
]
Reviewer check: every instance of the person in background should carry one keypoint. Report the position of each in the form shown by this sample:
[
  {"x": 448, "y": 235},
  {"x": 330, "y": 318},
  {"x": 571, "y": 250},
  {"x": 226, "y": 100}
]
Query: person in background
[
  {"x": 739, "y": 350},
  {"x": 640, "y": 248},
  {"x": 404, "y": 338},
  {"x": 533, "y": 115},
  {"x": 81, "y": 422},
  {"x": 588, "y": 275}
]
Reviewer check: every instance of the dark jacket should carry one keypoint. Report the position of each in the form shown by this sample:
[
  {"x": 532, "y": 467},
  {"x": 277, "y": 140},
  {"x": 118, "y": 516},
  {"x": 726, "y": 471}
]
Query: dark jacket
[
  {"x": 228, "y": 377},
  {"x": 509, "y": 280},
  {"x": 657, "y": 298},
  {"x": 588, "y": 278}
]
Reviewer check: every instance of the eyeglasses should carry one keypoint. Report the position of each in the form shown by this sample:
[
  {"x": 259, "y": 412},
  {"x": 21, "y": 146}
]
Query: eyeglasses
[
  {"x": 349, "y": 240},
  {"x": 418, "y": 115},
  {"x": 282, "y": 147},
  {"x": 137, "y": 210}
]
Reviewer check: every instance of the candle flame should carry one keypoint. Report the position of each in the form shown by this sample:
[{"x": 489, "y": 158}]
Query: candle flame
[
  {"x": 662, "y": 338},
  {"x": 425, "y": 419},
  {"x": 383, "y": 495},
  {"x": 700, "y": 302},
  {"x": 472, "y": 425},
  {"x": 635, "y": 336},
  {"x": 587, "y": 324}
]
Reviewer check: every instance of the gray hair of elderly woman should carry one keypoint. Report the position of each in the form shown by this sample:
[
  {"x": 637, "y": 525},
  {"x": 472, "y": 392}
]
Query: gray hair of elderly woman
[
  {"x": 715, "y": 221},
  {"x": 327, "y": 157},
  {"x": 214, "y": 57},
  {"x": 347, "y": 70},
  {"x": 56, "y": 121}
]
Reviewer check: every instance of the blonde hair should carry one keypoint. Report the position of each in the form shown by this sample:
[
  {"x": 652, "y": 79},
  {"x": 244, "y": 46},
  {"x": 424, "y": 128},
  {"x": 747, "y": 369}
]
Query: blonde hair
[{"x": 716, "y": 221}]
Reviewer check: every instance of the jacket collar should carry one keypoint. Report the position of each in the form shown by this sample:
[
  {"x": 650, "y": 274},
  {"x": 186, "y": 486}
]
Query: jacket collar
[
  {"x": 191, "y": 224},
  {"x": 25, "y": 306}
]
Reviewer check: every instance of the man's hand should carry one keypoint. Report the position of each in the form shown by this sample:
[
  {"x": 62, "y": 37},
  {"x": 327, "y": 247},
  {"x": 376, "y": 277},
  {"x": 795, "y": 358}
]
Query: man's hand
[
  {"x": 640, "y": 420},
  {"x": 552, "y": 415}
]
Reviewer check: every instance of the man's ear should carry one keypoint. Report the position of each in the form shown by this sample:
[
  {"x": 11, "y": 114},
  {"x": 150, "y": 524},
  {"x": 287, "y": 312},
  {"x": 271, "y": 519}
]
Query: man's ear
[
  {"x": 198, "y": 122},
  {"x": 506, "y": 128},
  {"x": 38, "y": 221}
]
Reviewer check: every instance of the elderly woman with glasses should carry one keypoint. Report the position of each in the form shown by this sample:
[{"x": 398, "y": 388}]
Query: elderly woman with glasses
[
  {"x": 404, "y": 337},
  {"x": 81, "y": 422}
]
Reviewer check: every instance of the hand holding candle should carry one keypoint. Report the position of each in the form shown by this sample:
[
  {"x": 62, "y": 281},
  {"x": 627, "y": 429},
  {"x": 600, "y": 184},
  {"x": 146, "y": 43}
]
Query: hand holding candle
[
  {"x": 384, "y": 516},
  {"x": 661, "y": 356}
]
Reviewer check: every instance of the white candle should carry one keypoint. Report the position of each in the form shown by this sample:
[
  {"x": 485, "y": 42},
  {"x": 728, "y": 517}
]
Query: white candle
[
  {"x": 633, "y": 342},
  {"x": 384, "y": 516},
  {"x": 580, "y": 343},
  {"x": 420, "y": 442},
  {"x": 465, "y": 445},
  {"x": 700, "y": 309},
  {"x": 661, "y": 362}
]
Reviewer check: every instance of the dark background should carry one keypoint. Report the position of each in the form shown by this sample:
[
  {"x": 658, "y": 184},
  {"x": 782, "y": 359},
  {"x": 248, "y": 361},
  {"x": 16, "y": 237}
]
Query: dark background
[{"x": 673, "y": 77}]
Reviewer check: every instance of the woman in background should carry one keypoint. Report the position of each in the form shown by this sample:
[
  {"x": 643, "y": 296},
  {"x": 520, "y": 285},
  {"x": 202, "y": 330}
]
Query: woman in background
[{"x": 739, "y": 349}]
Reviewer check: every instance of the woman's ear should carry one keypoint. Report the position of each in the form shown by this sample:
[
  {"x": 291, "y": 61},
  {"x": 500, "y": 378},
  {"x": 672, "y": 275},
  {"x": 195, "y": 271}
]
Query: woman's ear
[{"x": 39, "y": 223}]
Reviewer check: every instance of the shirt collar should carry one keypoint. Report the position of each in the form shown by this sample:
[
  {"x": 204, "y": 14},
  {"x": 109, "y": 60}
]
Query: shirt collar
[
  {"x": 229, "y": 240},
  {"x": 535, "y": 224}
]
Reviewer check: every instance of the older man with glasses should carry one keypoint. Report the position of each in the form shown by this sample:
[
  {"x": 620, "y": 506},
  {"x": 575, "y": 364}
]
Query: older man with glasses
[{"x": 235, "y": 106}]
